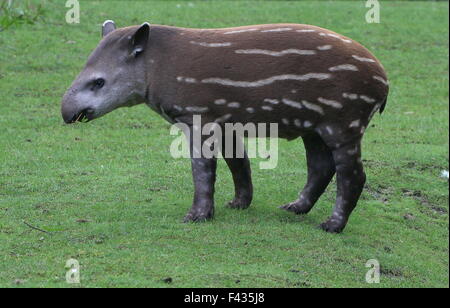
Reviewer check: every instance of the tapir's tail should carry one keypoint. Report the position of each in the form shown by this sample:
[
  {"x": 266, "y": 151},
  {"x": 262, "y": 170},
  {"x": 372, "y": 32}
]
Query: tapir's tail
[{"x": 383, "y": 105}]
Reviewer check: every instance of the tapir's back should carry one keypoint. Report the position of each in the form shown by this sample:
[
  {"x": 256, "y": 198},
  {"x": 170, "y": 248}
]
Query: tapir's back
[{"x": 287, "y": 73}]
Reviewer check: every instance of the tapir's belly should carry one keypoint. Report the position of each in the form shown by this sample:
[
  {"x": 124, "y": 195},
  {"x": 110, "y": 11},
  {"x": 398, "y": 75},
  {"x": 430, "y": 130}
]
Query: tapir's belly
[{"x": 297, "y": 76}]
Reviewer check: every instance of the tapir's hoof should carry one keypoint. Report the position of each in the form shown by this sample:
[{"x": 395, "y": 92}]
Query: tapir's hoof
[
  {"x": 241, "y": 204},
  {"x": 297, "y": 208},
  {"x": 198, "y": 216},
  {"x": 333, "y": 226}
]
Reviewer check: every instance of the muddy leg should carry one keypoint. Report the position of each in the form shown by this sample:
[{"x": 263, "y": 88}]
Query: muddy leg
[
  {"x": 350, "y": 182},
  {"x": 321, "y": 169},
  {"x": 242, "y": 178},
  {"x": 204, "y": 175}
]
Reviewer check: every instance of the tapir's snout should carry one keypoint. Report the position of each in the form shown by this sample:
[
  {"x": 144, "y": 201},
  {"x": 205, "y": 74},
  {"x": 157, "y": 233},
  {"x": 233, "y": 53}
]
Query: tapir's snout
[
  {"x": 71, "y": 111},
  {"x": 84, "y": 115}
]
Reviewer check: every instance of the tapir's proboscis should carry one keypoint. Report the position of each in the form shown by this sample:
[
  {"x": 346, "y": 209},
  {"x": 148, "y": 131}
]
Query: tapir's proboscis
[{"x": 314, "y": 83}]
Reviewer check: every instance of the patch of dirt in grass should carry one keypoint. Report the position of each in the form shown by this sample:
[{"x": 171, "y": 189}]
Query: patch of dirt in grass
[
  {"x": 168, "y": 280},
  {"x": 381, "y": 193},
  {"x": 43, "y": 208},
  {"x": 6, "y": 230},
  {"x": 140, "y": 126},
  {"x": 92, "y": 239},
  {"x": 424, "y": 200},
  {"x": 374, "y": 163},
  {"x": 157, "y": 189},
  {"x": 425, "y": 167},
  {"x": 391, "y": 272}
]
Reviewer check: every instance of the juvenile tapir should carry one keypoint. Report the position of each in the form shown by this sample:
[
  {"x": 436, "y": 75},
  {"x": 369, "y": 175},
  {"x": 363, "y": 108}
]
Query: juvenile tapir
[{"x": 315, "y": 83}]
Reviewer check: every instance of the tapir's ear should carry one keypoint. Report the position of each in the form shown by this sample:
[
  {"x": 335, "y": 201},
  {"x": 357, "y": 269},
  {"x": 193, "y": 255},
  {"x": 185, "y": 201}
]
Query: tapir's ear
[
  {"x": 108, "y": 27},
  {"x": 140, "y": 39}
]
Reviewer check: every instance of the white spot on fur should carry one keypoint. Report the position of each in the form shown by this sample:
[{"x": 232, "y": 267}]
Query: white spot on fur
[
  {"x": 298, "y": 123},
  {"x": 329, "y": 130},
  {"x": 220, "y": 101},
  {"x": 343, "y": 67},
  {"x": 186, "y": 79},
  {"x": 329, "y": 102},
  {"x": 292, "y": 103},
  {"x": 367, "y": 99},
  {"x": 355, "y": 123},
  {"x": 267, "y": 108},
  {"x": 277, "y": 30},
  {"x": 307, "y": 124},
  {"x": 234, "y": 105},
  {"x": 241, "y": 31},
  {"x": 226, "y": 44},
  {"x": 190, "y": 80},
  {"x": 305, "y": 30},
  {"x": 363, "y": 59},
  {"x": 177, "y": 108},
  {"x": 197, "y": 109},
  {"x": 285, "y": 121},
  {"x": 250, "y": 110},
  {"x": 267, "y": 81},
  {"x": 381, "y": 79},
  {"x": 272, "y": 101},
  {"x": 354, "y": 96},
  {"x": 313, "y": 107},
  {"x": 223, "y": 118},
  {"x": 324, "y": 47},
  {"x": 353, "y": 151},
  {"x": 335, "y": 36},
  {"x": 275, "y": 53},
  {"x": 351, "y": 96}
]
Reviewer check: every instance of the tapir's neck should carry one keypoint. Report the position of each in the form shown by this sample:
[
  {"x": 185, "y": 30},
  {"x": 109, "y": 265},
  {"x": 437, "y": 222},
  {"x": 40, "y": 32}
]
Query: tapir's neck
[{"x": 159, "y": 63}]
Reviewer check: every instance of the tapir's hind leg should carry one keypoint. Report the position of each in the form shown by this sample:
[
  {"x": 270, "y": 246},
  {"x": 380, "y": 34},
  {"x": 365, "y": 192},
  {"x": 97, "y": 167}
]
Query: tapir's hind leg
[
  {"x": 350, "y": 182},
  {"x": 321, "y": 169},
  {"x": 241, "y": 172}
]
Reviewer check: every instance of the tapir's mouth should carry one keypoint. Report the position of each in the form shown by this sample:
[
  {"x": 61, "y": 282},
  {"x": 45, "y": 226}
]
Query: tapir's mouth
[{"x": 84, "y": 116}]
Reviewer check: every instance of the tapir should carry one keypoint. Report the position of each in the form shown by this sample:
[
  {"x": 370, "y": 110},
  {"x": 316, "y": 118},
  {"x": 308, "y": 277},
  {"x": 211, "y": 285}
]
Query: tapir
[{"x": 314, "y": 83}]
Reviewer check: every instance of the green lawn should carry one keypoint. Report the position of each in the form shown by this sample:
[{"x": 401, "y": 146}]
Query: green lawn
[{"x": 112, "y": 197}]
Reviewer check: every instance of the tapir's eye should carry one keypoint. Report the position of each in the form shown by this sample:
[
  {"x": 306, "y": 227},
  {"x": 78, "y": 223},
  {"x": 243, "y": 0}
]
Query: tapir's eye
[{"x": 98, "y": 84}]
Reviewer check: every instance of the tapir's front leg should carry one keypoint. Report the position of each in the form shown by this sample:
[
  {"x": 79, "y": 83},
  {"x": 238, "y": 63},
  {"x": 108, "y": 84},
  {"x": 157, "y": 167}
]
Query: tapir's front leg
[
  {"x": 239, "y": 166},
  {"x": 204, "y": 175},
  {"x": 240, "y": 169}
]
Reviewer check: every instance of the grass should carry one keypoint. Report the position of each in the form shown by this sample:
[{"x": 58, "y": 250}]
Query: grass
[{"x": 112, "y": 197}]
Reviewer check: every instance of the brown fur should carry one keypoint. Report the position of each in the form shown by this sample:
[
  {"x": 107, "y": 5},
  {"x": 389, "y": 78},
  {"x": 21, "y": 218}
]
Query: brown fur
[{"x": 174, "y": 55}]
